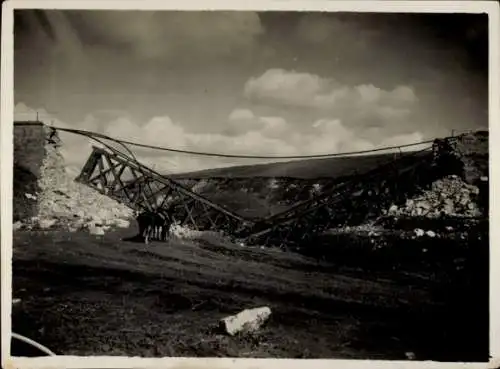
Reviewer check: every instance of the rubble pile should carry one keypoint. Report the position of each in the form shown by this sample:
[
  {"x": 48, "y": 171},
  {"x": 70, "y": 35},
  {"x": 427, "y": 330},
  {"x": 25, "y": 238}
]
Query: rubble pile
[
  {"x": 66, "y": 204},
  {"x": 450, "y": 196}
]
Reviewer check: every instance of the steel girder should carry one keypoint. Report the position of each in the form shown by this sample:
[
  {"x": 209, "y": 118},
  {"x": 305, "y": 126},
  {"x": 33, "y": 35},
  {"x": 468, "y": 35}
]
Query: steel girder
[
  {"x": 365, "y": 194},
  {"x": 114, "y": 174},
  {"x": 117, "y": 176}
]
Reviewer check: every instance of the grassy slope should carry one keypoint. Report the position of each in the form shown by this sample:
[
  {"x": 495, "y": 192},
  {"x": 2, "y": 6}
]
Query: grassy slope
[
  {"x": 83, "y": 296},
  {"x": 305, "y": 169},
  {"x": 245, "y": 189}
]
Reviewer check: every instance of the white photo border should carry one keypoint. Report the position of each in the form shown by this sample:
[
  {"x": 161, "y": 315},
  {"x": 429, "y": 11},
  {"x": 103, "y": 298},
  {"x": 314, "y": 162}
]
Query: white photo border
[{"x": 388, "y": 6}]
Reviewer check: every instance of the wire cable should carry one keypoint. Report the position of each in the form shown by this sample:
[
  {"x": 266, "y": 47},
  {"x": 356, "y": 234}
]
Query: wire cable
[
  {"x": 94, "y": 135},
  {"x": 221, "y": 155},
  {"x": 29, "y": 341}
]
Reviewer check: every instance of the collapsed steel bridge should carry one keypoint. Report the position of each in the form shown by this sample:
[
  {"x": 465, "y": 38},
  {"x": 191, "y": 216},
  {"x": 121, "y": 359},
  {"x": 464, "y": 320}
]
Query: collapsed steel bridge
[
  {"x": 133, "y": 184},
  {"x": 118, "y": 176}
]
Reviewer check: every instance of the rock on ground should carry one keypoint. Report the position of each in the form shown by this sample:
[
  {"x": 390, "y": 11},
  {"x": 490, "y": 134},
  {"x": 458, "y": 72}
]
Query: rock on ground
[{"x": 247, "y": 321}]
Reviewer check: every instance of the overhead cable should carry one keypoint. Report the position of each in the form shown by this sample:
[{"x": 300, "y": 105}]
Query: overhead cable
[{"x": 222, "y": 155}]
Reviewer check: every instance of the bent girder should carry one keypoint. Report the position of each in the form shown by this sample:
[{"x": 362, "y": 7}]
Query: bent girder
[{"x": 145, "y": 189}]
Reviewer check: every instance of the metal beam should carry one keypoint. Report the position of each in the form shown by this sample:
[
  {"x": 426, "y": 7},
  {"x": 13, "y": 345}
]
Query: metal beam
[{"x": 144, "y": 176}]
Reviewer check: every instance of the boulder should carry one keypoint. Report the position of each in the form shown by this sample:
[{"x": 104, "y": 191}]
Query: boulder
[
  {"x": 419, "y": 232},
  {"x": 30, "y": 196},
  {"x": 410, "y": 355},
  {"x": 121, "y": 223},
  {"x": 96, "y": 230},
  {"x": 17, "y": 226},
  {"x": 246, "y": 321},
  {"x": 46, "y": 223},
  {"x": 431, "y": 234}
]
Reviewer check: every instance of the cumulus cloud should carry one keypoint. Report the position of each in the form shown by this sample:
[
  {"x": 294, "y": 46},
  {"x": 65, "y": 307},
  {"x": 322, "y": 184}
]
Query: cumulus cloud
[
  {"x": 308, "y": 90},
  {"x": 358, "y": 107},
  {"x": 244, "y": 120},
  {"x": 256, "y": 135}
]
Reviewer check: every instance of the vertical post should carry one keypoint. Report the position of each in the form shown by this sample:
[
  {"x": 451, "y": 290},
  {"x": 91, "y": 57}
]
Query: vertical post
[{"x": 88, "y": 168}]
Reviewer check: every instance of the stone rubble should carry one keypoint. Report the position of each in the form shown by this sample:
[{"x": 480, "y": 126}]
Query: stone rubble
[
  {"x": 431, "y": 234},
  {"x": 66, "y": 204},
  {"x": 419, "y": 232},
  {"x": 449, "y": 196}
]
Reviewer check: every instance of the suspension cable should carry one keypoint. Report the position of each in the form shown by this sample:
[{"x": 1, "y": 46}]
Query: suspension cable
[{"x": 221, "y": 155}]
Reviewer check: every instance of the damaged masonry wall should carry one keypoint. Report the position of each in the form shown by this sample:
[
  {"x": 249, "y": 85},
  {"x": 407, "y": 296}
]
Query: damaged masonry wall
[
  {"x": 55, "y": 200},
  {"x": 464, "y": 189}
]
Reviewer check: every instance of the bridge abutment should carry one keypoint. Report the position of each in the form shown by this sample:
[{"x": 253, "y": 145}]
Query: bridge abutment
[{"x": 45, "y": 195}]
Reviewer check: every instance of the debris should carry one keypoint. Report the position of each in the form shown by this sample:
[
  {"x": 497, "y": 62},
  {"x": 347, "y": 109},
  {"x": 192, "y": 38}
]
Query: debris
[
  {"x": 46, "y": 223},
  {"x": 66, "y": 204},
  {"x": 30, "y": 196},
  {"x": 410, "y": 355},
  {"x": 450, "y": 196},
  {"x": 17, "y": 226},
  {"x": 430, "y": 234},
  {"x": 247, "y": 321},
  {"x": 419, "y": 232},
  {"x": 96, "y": 230},
  {"x": 121, "y": 223}
]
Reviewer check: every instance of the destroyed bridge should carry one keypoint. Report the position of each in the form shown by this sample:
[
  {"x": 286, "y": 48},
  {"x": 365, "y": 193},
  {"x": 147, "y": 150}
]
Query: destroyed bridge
[{"x": 121, "y": 177}]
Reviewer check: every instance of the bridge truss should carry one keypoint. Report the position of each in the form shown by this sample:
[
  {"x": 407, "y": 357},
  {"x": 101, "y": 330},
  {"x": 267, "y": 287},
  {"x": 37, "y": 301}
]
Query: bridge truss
[{"x": 122, "y": 178}]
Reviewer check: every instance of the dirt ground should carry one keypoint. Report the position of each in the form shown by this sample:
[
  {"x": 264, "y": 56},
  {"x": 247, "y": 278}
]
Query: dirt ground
[{"x": 82, "y": 295}]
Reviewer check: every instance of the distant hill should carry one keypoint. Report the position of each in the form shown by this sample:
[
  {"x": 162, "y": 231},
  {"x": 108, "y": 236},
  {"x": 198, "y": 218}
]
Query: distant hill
[{"x": 300, "y": 169}]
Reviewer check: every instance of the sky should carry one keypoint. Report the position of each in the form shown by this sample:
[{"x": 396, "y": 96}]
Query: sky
[{"x": 268, "y": 83}]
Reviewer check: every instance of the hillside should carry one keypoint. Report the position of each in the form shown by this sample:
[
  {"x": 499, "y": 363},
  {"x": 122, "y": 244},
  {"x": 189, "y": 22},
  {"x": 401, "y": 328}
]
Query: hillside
[
  {"x": 263, "y": 190},
  {"x": 299, "y": 169},
  {"x": 389, "y": 290}
]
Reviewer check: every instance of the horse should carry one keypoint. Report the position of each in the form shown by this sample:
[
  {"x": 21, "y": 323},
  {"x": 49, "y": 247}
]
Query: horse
[{"x": 153, "y": 225}]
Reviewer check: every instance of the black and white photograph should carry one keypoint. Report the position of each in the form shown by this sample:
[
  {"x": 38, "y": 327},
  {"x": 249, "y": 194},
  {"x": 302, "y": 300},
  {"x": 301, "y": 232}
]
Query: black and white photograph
[{"x": 251, "y": 184}]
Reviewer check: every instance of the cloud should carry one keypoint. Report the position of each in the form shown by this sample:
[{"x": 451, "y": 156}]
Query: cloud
[
  {"x": 274, "y": 127},
  {"x": 358, "y": 107},
  {"x": 174, "y": 34},
  {"x": 340, "y": 30},
  {"x": 256, "y": 135},
  {"x": 241, "y": 114},
  {"x": 308, "y": 90},
  {"x": 244, "y": 120}
]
